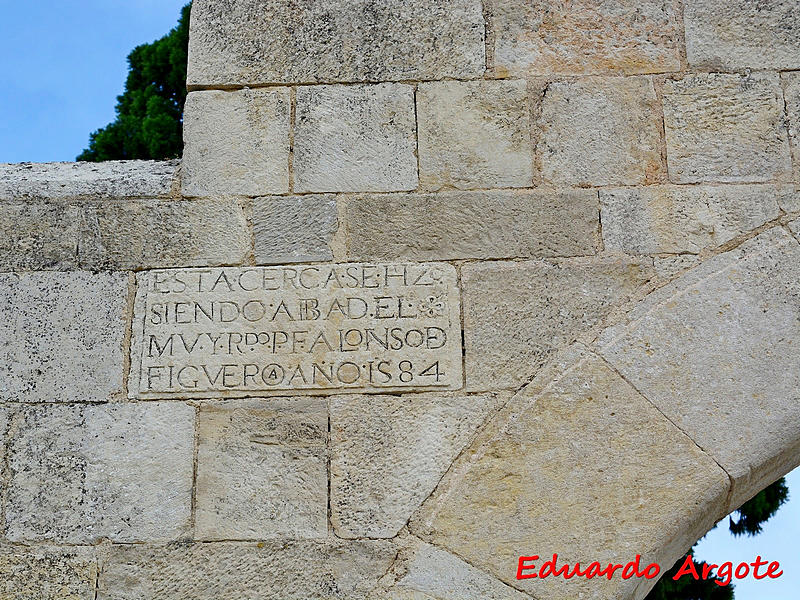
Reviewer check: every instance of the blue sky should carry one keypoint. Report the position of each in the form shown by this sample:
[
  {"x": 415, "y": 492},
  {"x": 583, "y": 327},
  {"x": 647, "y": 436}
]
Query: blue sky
[{"x": 64, "y": 63}]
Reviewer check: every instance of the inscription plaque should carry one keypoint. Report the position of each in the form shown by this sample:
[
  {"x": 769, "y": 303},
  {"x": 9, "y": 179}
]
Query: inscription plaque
[{"x": 242, "y": 331}]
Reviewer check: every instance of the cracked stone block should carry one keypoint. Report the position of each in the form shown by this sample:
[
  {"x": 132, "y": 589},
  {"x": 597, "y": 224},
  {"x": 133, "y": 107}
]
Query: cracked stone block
[
  {"x": 61, "y": 336},
  {"x": 726, "y": 128},
  {"x": 47, "y": 573},
  {"x": 600, "y": 131},
  {"x": 81, "y": 473},
  {"x": 355, "y": 138},
  {"x": 262, "y": 470},
  {"x": 501, "y": 224},
  {"x": 739, "y": 34},
  {"x": 517, "y": 314},
  {"x": 241, "y": 42},
  {"x": 474, "y": 134},
  {"x": 791, "y": 82},
  {"x": 715, "y": 351},
  {"x": 236, "y": 143},
  {"x": 291, "y": 229},
  {"x": 409, "y": 441}
]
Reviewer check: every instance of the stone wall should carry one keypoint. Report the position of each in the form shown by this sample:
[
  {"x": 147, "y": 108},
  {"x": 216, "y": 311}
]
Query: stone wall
[{"x": 436, "y": 284}]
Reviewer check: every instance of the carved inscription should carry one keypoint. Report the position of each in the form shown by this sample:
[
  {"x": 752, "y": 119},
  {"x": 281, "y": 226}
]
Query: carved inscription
[{"x": 304, "y": 328}]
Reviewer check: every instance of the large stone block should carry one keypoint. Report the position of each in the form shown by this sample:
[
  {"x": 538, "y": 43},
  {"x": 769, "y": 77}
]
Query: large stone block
[
  {"x": 236, "y": 142},
  {"x": 739, "y": 34},
  {"x": 355, "y": 138},
  {"x": 577, "y": 448},
  {"x": 241, "y": 42},
  {"x": 262, "y": 470},
  {"x": 38, "y": 236},
  {"x": 517, "y": 314},
  {"x": 726, "y": 128},
  {"x": 474, "y": 134},
  {"x": 80, "y": 473},
  {"x": 61, "y": 336},
  {"x": 679, "y": 219},
  {"x": 291, "y": 229},
  {"x": 47, "y": 573},
  {"x": 600, "y": 131},
  {"x": 459, "y": 225},
  {"x": 583, "y": 37},
  {"x": 791, "y": 84},
  {"x": 716, "y": 352},
  {"x": 389, "y": 452}
]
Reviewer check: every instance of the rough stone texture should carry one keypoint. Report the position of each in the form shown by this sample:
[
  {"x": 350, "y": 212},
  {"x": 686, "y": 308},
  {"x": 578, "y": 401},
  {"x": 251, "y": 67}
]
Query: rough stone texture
[
  {"x": 37, "y": 236},
  {"x": 741, "y": 34},
  {"x": 236, "y": 142},
  {"x": 294, "y": 228},
  {"x": 286, "y": 570},
  {"x": 587, "y": 36},
  {"x": 474, "y": 134},
  {"x": 355, "y": 138},
  {"x": 577, "y": 448},
  {"x": 61, "y": 336},
  {"x": 81, "y": 473},
  {"x": 5, "y": 417},
  {"x": 255, "y": 41},
  {"x": 669, "y": 266},
  {"x": 516, "y": 314},
  {"x": 725, "y": 127},
  {"x": 791, "y": 83},
  {"x": 600, "y": 131},
  {"x": 457, "y": 225},
  {"x": 112, "y": 179},
  {"x": 716, "y": 352},
  {"x": 675, "y": 219},
  {"x": 44, "y": 573},
  {"x": 388, "y": 453},
  {"x": 794, "y": 226},
  {"x": 262, "y": 470}
]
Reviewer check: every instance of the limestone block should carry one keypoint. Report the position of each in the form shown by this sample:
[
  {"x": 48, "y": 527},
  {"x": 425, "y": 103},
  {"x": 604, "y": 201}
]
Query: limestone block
[
  {"x": 47, "y": 573},
  {"x": 739, "y": 34},
  {"x": 600, "y": 131},
  {"x": 578, "y": 448},
  {"x": 294, "y": 228},
  {"x": 5, "y": 417},
  {"x": 716, "y": 352},
  {"x": 791, "y": 82},
  {"x": 676, "y": 219},
  {"x": 389, "y": 452},
  {"x": 38, "y": 236},
  {"x": 583, "y": 37},
  {"x": 236, "y": 142},
  {"x": 262, "y": 470},
  {"x": 79, "y": 473},
  {"x": 458, "y": 225},
  {"x": 61, "y": 336},
  {"x": 726, "y": 128},
  {"x": 517, "y": 314},
  {"x": 285, "y": 570},
  {"x": 669, "y": 266},
  {"x": 355, "y": 138},
  {"x": 474, "y": 134},
  {"x": 794, "y": 226},
  {"x": 241, "y": 42},
  {"x": 111, "y": 179}
]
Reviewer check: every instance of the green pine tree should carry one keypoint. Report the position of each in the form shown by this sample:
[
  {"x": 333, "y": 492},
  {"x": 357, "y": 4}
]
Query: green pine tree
[{"x": 149, "y": 119}]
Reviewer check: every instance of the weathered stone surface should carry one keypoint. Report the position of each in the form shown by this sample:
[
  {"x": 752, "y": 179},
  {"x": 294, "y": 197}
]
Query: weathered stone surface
[
  {"x": 44, "y": 573},
  {"x": 791, "y": 83},
  {"x": 725, "y": 127},
  {"x": 474, "y": 134},
  {"x": 294, "y": 228},
  {"x": 112, "y": 179},
  {"x": 262, "y": 470},
  {"x": 35, "y": 236},
  {"x": 600, "y": 131},
  {"x": 61, "y": 336},
  {"x": 83, "y": 472},
  {"x": 285, "y": 570},
  {"x": 794, "y": 227},
  {"x": 5, "y": 416},
  {"x": 516, "y": 314},
  {"x": 456, "y": 225},
  {"x": 236, "y": 142},
  {"x": 253, "y": 41},
  {"x": 741, "y": 34},
  {"x": 389, "y": 452},
  {"x": 675, "y": 219},
  {"x": 355, "y": 138},
  {"x": 716, "y": 352},
  {"x": 587, "y": 36},
  {"x": 577, "y": 448},
  {"x": 265, "y": 330},
  {"x": 669, "y": 266}
]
